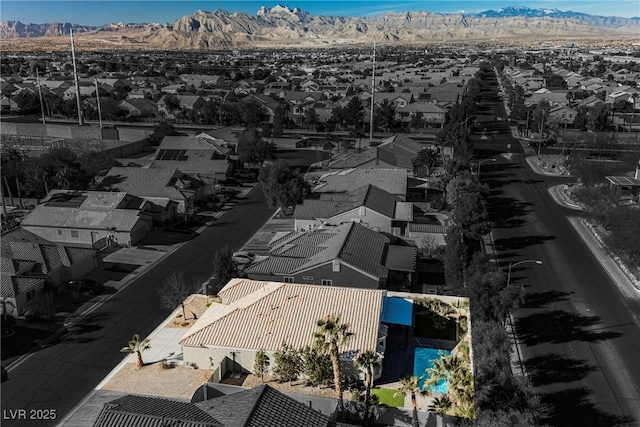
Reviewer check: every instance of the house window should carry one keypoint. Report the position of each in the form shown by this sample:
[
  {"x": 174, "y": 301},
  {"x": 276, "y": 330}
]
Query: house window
[
  {"x": 363, "y": 211},
  {"x": 336, "y": 265},
  {"x": 326, "y": 282},
  {"x": 288, "y": 279},
  {"x": 307, "y": 277},
  {"x": 74, "y": 233},
  {"x": 30, "y": 295},
  {"x": 59, "y": 232}
]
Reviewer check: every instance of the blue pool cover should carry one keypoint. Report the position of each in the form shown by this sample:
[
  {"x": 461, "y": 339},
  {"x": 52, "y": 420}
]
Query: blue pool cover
[
  {"x": 423, "y": 360},
  {"x": 397, "y": 311}
]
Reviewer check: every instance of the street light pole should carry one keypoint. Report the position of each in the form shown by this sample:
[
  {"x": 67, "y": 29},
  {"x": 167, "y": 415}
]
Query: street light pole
[{"x": 511, "y": 265}]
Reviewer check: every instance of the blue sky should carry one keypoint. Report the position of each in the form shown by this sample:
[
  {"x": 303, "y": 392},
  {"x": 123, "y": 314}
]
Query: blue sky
[{"x": 98, "y": 12}]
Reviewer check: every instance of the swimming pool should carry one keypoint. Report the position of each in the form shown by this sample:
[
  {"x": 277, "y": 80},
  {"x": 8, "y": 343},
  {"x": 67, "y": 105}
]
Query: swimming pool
[{"x": 422, "y": 360}]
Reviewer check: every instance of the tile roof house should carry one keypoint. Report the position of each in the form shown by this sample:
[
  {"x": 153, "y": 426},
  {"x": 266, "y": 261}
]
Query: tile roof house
[
  {"x": 203, "y": 141},
  {"x": 144, "y": 411},
  {"x": 258, "y": 407},
  {"x": 393, "y": 181},
  {"x": 328, "y": 255},
  {"x": 28, "y": 261},
  {"x": 430, "y": 112},
  {"x": 553, "y": 97},
  {"x": 445, "y": 95},
  {"x": 87, "y": 90},
  {"x": 90, "y": 218},
  {"x": 187, "y": 102},
  {"x": 262, "y": 406},
  {"x": 139, "y": 107},
  {"x": 170, "y": 191},
  {"x": 261, "y": 315},
  {"x": 562, "y": 114},
  {"x": 202, "y": 157},
  {"x": 368, "y": 205}
]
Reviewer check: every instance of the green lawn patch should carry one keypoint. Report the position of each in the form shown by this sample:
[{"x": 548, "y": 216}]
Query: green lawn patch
[{"x": 388, "y": 397}]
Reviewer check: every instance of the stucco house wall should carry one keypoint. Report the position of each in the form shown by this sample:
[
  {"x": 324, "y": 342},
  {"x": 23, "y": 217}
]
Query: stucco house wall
[
  {"x": 88, "y": 237},
  {"x": 347, "y": 276}
]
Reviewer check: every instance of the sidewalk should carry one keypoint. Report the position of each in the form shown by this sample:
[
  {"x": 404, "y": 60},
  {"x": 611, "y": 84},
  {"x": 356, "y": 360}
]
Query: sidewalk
[
  {"x": 615, "y": 267},
  {"x": 144, "y": 259}
]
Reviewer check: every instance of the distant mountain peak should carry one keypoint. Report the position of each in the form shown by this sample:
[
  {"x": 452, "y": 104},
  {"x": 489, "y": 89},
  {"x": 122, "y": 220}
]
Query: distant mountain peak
[{"x": 281, "y": 25}]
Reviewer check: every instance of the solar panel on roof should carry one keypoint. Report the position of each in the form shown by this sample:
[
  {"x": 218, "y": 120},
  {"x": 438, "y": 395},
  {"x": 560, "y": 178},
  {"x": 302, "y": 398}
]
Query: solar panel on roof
[{"x": 66, "y": 200}]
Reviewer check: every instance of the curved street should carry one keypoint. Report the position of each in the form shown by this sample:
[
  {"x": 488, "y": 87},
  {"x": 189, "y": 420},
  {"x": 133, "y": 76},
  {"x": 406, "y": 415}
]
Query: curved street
[{"x": 577, "y": 330}]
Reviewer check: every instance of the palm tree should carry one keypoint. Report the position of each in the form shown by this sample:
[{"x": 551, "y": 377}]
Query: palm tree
[
  {"x": 440, "y": 405},
  {"x": 410, "y": 385},
  {"x": 426, "y": 159},
  {"x": 450, "y": 369},
  {"x": 367, "y": 360},
  {"x": 330, "y": 335},
  {"x": 136, "y": 346}
]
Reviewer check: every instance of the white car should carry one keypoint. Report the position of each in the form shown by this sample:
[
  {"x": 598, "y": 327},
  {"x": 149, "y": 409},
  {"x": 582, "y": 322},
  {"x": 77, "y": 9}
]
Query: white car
[{"x": 243, "y": 257}]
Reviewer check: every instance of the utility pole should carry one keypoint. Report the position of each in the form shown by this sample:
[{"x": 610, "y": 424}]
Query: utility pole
[
  {"x": 373, "y": 90},
  {"x": 44, "y": 123},
  {"x": 75, "y": 78},
  {"x": 99, "y": 110},
  {"x": 541, "y": 129}
]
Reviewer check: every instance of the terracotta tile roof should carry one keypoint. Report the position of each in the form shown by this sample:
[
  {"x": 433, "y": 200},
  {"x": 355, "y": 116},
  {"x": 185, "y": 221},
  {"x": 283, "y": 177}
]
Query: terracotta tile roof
[
  {"x": 261, "y": 407},
  {"x": 272, "y": 313},
  {"x": 143, "y": 411}
]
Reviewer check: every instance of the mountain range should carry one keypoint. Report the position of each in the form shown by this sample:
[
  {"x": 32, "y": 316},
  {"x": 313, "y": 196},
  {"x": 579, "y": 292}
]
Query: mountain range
[{"x": 282, "y": 26}]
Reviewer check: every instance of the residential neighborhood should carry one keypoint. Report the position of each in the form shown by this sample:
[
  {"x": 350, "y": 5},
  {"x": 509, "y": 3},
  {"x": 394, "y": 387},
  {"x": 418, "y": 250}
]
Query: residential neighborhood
[{"x": 338, "y": 237}]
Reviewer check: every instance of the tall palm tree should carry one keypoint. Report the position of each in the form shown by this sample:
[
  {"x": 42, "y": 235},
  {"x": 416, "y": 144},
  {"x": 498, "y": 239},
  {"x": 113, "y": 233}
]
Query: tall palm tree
[
  {"x": 331, "y": 334},
  {"x": 367, "y": 360},
  {"x": 136, "y": 346},
  {"x": 410, "y": 385}
]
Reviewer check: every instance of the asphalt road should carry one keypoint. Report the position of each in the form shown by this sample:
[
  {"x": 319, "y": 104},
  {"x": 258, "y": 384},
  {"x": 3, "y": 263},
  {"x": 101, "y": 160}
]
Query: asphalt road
[
  {"x": 58, "y": 376},
  {"x": 579, "y": 333}
]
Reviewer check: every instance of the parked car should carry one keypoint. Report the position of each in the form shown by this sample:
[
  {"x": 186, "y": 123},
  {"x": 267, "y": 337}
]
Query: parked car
[
  {"x": 243, "y": 257},
  {"x": 85, "y": 286}
]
